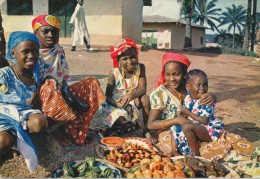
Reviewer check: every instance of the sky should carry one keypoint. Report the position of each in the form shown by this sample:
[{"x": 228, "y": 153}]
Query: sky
[{"x": 170, "y": 8}]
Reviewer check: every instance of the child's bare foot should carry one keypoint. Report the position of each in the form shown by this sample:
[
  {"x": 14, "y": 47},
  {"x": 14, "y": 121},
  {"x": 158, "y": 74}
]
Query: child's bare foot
[{"x": 150, "y": 138}]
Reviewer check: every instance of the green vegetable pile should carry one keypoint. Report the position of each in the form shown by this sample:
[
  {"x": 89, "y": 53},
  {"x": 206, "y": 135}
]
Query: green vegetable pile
[{"x": 86, "y": 169}]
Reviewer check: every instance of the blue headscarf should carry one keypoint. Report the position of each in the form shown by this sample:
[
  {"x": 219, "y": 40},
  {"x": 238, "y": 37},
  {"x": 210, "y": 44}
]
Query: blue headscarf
[{"x": 17, "y": 37}]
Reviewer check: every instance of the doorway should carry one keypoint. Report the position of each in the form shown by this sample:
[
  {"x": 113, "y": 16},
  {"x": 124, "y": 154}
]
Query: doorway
[{"x": 63, "y": 9}]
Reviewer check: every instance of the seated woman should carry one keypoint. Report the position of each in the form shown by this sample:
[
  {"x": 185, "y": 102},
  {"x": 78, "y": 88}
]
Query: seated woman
[
  {"x": 76, "y": 104},
  {"x": 18, "y": 86},
  {"x": 126, "y": 90},
  {"x": 166, "y": 103}
]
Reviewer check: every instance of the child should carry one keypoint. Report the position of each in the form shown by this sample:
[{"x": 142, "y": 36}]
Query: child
[
  {"x": 126, "y": 87},
  {"x": 74, "y": 104},
  {"x": 18, "y": 85},
  {"x": 166, "y": 102},
  {"x": 205, "y": 122}
]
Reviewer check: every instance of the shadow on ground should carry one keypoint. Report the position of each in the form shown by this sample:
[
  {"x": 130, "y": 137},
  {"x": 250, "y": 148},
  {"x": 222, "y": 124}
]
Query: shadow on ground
[
  {"x": 80, "y": 77},
  {"x": 246, "y": 130}
]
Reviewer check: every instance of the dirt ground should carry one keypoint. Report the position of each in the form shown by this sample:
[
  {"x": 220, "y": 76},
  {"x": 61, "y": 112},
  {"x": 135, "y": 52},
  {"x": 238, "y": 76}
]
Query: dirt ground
[{"x": 235, "y": 80}]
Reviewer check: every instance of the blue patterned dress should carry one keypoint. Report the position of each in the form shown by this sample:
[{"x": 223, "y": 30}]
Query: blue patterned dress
[
  {"x": 214, "y": 126},
  {"x": 15, "y": 109}
]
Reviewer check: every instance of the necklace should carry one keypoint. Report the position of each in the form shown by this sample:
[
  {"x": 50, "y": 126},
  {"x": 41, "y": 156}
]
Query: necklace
[
  {"x": 25, "y": 80},
  {"x": 178, "y": 93}
]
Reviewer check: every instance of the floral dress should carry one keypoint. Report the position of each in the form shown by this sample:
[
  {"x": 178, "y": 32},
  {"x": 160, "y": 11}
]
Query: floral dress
[
  {"x": 214, "y": 126},
  {"x": 122, "y": 87}
]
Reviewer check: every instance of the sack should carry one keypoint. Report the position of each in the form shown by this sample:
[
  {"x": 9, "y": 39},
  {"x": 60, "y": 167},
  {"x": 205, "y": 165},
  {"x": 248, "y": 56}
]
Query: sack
[{"x": 167, "y": 143}]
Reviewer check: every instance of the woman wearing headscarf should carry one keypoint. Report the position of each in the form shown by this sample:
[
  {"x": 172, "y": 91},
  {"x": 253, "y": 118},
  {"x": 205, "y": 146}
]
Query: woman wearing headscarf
[
  {"x": 18, "y": 86},
  {"x": 166, "y": 106},
  {"x": 75, "y": 104}
]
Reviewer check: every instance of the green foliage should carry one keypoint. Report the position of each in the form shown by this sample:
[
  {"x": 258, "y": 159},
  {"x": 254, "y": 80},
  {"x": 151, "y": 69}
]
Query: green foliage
[
  {"x": 234, "y": 17},
  {"x": 227, "y": 39},
  {"x": 224, "y": 50},
  {"x": 206, "y": 12},
  {"x": 86, "y": 169},
  {"x": 239, "y": 51}
]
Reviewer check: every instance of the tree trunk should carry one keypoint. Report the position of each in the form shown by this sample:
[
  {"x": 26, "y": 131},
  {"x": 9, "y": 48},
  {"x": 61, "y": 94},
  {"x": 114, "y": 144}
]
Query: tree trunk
[
  {"x": 253, "y": 26},
  {"x": 2, "y": 38},
  {"x": 187, "y": 41},
  {"x": 3, "y": 61},
  {"x": 248, "y": 24},
  {"x": 234, "y": 33}
]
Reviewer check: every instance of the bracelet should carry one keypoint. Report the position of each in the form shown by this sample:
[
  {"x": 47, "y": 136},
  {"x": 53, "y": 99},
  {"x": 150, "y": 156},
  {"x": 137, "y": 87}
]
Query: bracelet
[{"x": 163, "y": 124}]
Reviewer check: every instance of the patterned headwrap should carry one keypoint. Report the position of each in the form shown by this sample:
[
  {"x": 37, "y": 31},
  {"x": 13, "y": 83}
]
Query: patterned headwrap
[
  {"x": 120, "y": 47},
  {"x": 45, "y": 20},
  {"x": 167, "y": 57},
  {"x": 17, "y": 37}
]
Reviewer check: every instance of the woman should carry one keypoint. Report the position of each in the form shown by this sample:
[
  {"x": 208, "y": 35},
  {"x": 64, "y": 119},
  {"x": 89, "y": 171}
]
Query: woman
[
  {"x": 76, "y": 103},
  {"x": 18, "y": 86}
]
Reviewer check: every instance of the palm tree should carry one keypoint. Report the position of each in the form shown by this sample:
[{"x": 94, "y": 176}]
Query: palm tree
[
  {"x": 235, "y": 18},
  {"x": 187, "y": 7},
  {"x": 253, "y": 25},
  {"x": 205, "y": 13},
  {"x": 248, "y": 24},
  {"x": 2, "y": 38}
]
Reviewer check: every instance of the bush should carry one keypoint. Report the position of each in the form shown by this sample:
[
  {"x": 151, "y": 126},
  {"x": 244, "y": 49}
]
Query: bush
[
  {"x": 223, "y": 50},
  {"x": 215, "y": 50},
  {"x": 240, "y": 51}
]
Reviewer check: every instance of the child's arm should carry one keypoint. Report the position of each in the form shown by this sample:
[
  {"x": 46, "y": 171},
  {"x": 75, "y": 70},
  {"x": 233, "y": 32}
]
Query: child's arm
[
  {"x": 139, "y": 91},
  {"x": 141, "y": 88},
  {"x": 202, "y": 120},
  {"x": 155, "y": 123},
  {"x": 109, "y": 91}
]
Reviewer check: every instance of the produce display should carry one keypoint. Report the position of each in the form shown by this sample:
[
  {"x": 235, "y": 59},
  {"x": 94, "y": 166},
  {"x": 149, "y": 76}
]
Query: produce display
[
  {"x": 160, "y": 167},
  {"x": 129, "y": 154},
  {"x": 206, "y": 169},
  {"x": 89, "y": 168}
]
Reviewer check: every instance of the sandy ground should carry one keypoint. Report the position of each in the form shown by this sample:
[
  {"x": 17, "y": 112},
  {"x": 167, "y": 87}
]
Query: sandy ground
[{"x": 233, "y": 79}]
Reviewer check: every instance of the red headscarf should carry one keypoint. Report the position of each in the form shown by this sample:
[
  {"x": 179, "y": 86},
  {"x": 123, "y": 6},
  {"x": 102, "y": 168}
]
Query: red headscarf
[
  {"x": 45, "y": 20},
  {"x": 167, "y": 57},
  {"x": 119, "y": 47}
]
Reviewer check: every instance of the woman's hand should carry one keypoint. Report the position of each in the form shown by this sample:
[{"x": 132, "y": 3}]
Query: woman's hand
[
  {"x": 124, "y": 101},
  {"x": 48, "y": 80},
  {"x": 207, "y": 99}
]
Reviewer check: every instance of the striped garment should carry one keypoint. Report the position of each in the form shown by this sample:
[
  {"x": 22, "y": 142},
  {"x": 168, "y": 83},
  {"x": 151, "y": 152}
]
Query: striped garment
[{"x": 55, "y": 107}]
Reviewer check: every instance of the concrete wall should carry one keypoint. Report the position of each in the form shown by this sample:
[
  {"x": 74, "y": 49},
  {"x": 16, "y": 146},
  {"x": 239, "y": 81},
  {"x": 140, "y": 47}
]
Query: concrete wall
[
  {"x": 104, "y": 21},
  {"x": 164, "y": 33},
  {"x": 132, "y": 19},
  {"x": 178, "y": 34},
  {"x": 107, "y": 20},
  {"x": 174, "y": 33},
  {"x": 197, "y": 34}
]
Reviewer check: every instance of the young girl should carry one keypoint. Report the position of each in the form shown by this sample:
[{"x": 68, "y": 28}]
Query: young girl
[
  {"x": 166, "y": 102},
  {"x": 204, "y": 121},
  {"x": 74, "y": 104},
  {"x": 126, "y": 87},
  {"x": 18, "y": 85}
]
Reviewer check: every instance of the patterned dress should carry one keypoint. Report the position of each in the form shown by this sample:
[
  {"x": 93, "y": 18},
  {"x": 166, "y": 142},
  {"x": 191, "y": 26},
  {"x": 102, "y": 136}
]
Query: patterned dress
[
  {"x": 214, "y": 126},
  {"x": 163, "y": 100},
  {"x": 16, "y": 107},
  {"x": 54, "y": 105},
  {"x": 122, "y": 87}
]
